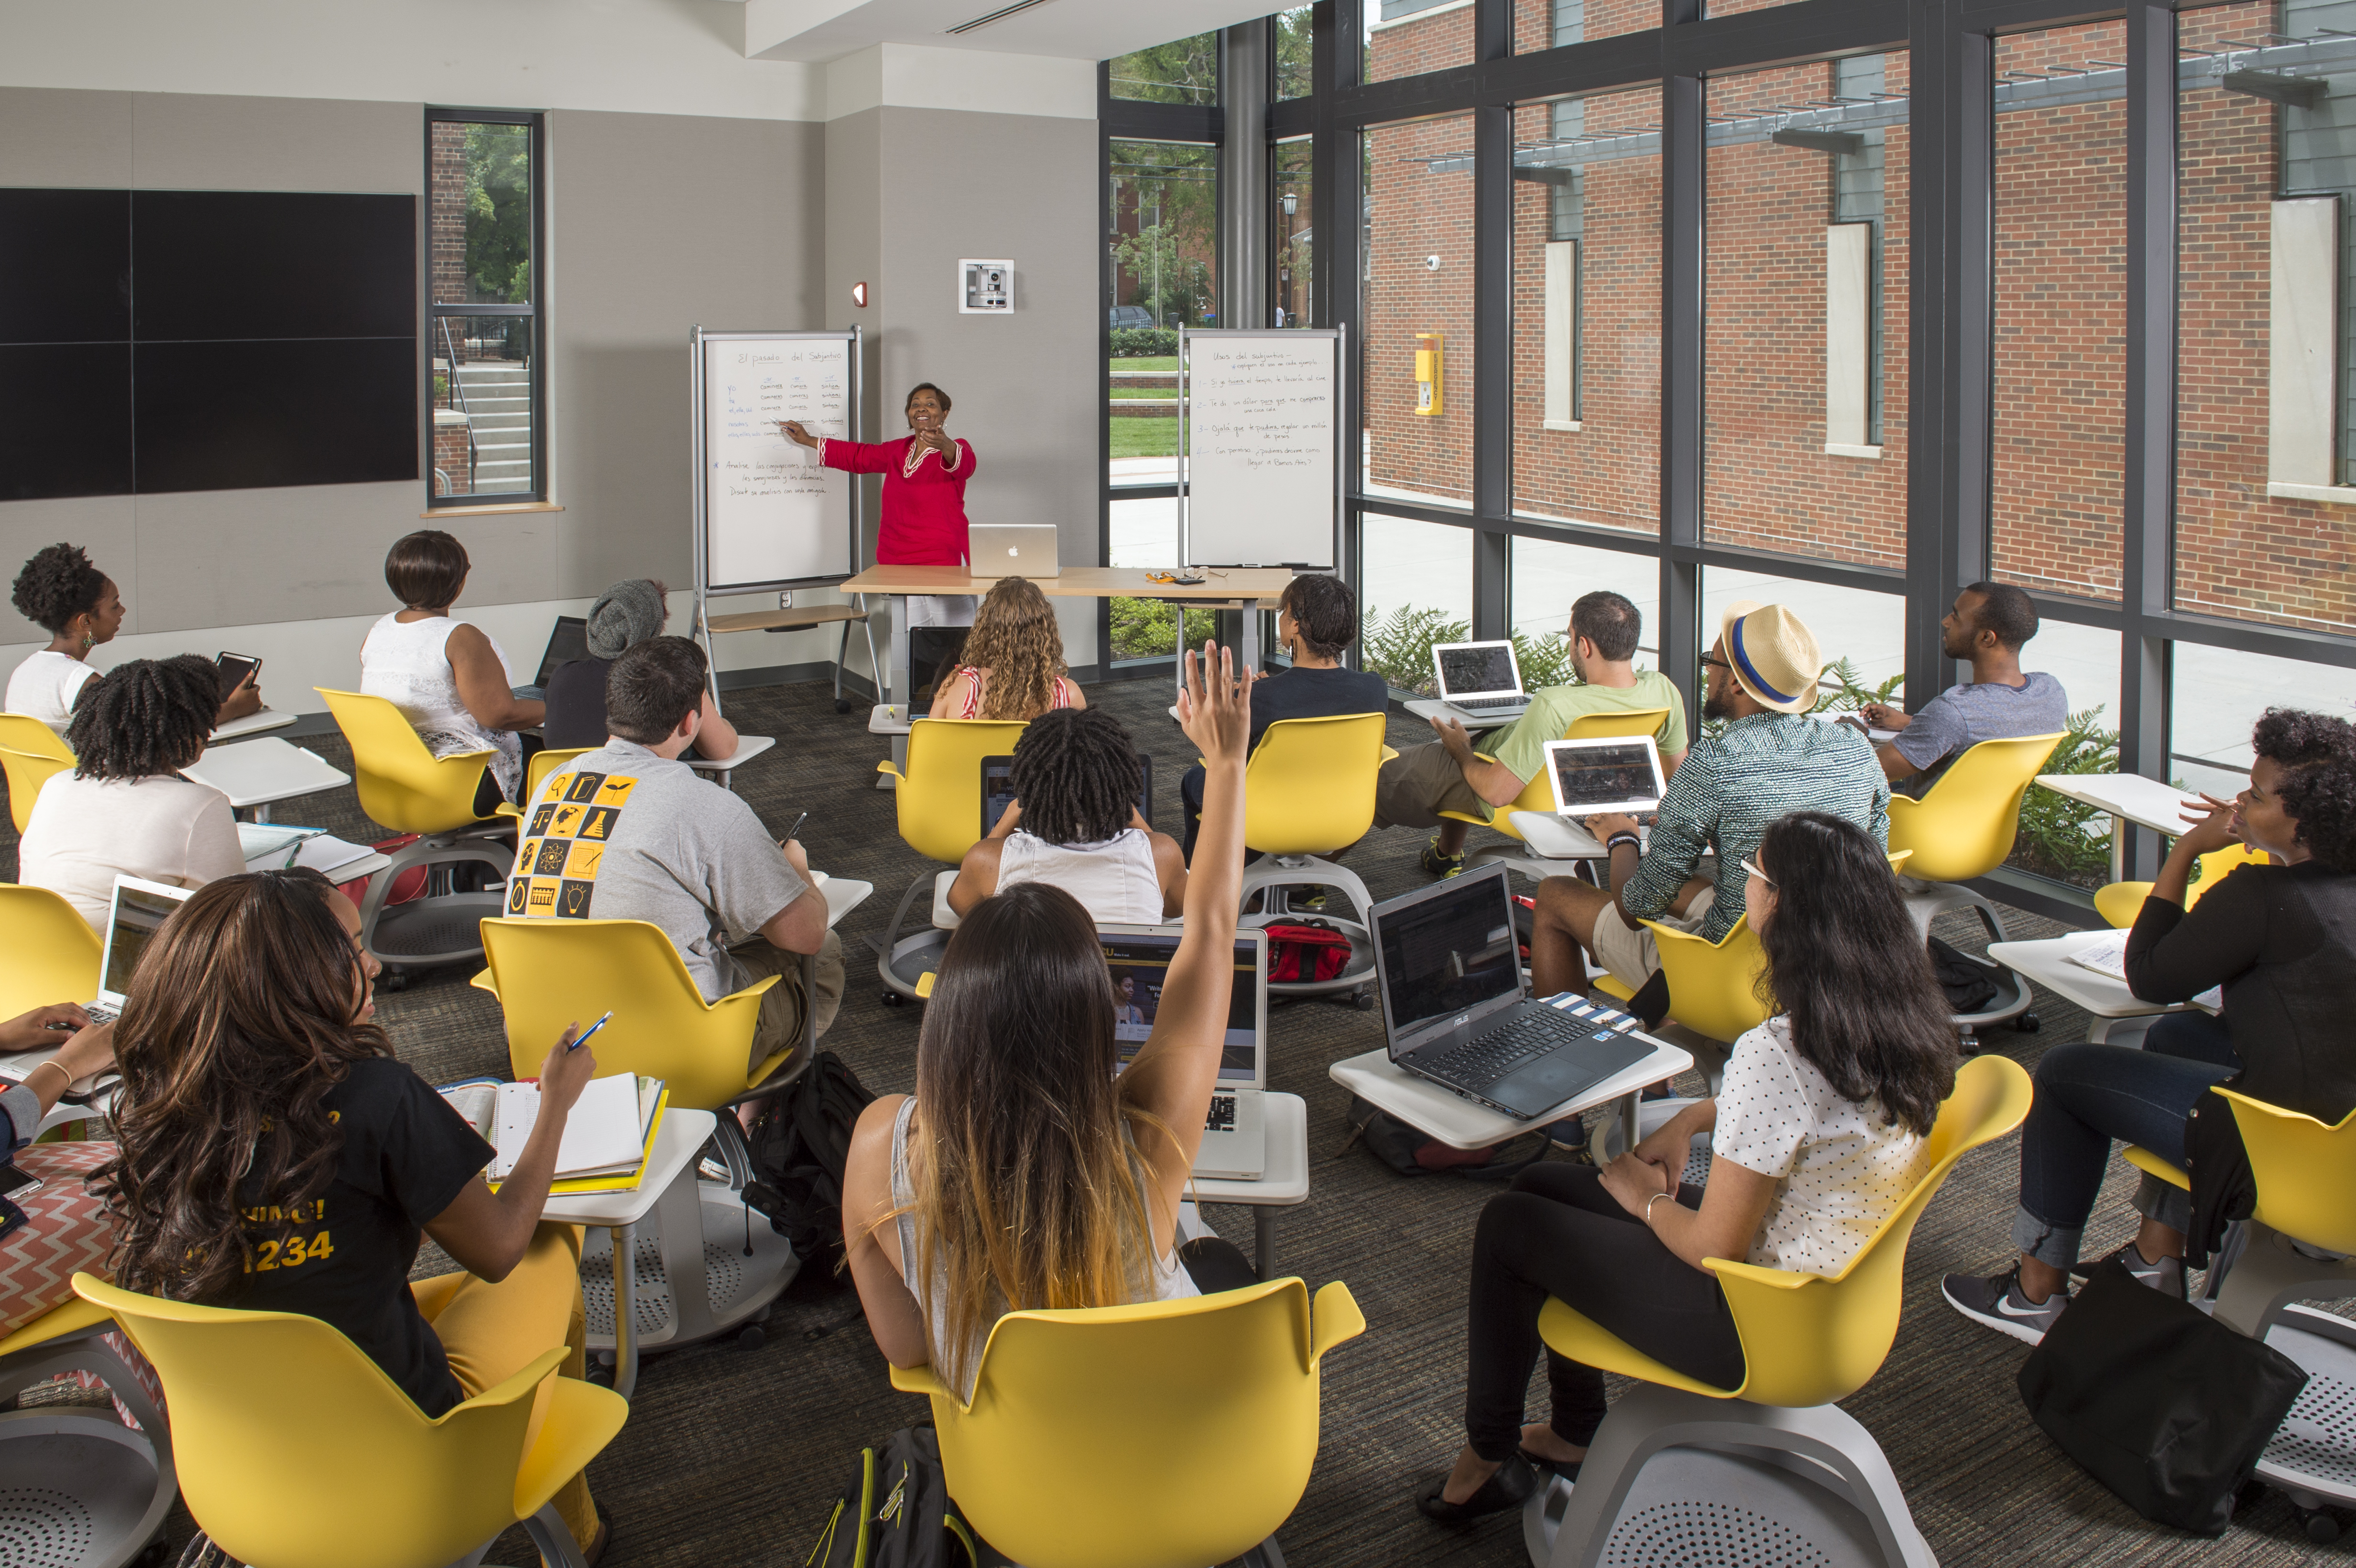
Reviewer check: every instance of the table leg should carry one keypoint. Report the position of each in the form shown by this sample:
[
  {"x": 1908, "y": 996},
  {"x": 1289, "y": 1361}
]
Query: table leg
[
  {"x": 1630, "y": 1133},
  {"x": 895, "y": 657},
  {"x": 1250, "y": 638},
  {"x": 2118, "y": 854},
  {"x": 626, "y": 1309},
  {"x": 261, "y": 812},
  {"x": 1264, "y": 1240}
]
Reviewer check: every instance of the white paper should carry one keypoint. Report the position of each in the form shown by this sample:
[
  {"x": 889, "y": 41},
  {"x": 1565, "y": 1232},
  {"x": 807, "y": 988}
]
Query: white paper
[
  {"x": 603, "y": 1131},
  {"x": 1262, "y": 412},
  {"x": 772, "y": 512},
  {"x": 2107, "y": 956}
]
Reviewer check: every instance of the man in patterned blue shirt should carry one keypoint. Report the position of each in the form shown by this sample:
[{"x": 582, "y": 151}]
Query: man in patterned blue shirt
[{"x": 1770, "y": 759}]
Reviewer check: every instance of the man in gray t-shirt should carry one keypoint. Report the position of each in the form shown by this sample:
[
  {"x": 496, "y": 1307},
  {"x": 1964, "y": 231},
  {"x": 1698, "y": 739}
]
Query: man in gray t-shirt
[
  {"x": 1988, "y": 625},
  {"x": 628, "y": 832}
]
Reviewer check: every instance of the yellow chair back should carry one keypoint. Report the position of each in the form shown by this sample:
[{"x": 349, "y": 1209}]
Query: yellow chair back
[
  {"x": 402, "y": 784},
  {"x": 2304, "y": 1170},
  {"x": 1964, "y": 827},
  {"x": 30, "y": 752},
  {"x": 548, "y": 973},
  {"x": 1713, "y": 985},
  {"x": 295, "y": 1448},
  {"x": 1309, "y": 788},
  {"x": 542, "y": 764},
  {"x": 940, "y": 795},
  {"x": 1807, "y": 1339},
  {"x": 1538, "y": 795},
  {"x": 51, "y": 955},
  {"x": 1099, "y": 1438},
  {"x": 2120, "y": 902}
]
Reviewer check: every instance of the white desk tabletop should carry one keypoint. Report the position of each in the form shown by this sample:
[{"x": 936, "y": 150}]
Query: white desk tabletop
[
  {"x": 843, "y": 894},
  {"x": 2148, "y": 803},
  {"x": 253, "y": 723},
  {"x": 1285, "y": 1179},
  {"x": 1461, "y": 1124},
  {"x": 2048, "y": 963},
  {"x": 256, "y": 773},
  {"x": 1432, "y": 707},
  {"x": 1556, "y": 837},
  {"x": 888, "y": 719},
  {"x": 747, "y": 748},
  {"x": 682, "y": 1133}
]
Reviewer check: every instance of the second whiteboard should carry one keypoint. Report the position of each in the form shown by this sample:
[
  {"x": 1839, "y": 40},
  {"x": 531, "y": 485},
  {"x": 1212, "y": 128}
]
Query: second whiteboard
[{"x": 1261, "y": 466}]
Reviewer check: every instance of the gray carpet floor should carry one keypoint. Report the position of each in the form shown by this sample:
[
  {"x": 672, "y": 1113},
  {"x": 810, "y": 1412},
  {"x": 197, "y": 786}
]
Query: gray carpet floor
[{"x": 734, "y": 1456}]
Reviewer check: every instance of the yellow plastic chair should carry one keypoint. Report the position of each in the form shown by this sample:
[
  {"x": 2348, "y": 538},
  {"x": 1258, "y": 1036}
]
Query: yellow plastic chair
[
  {"x": 1308, "y": 791},
  {"x": 1807, "y": 1340},
  {"x": 108, "y": 1488},
  {"x": 1167, "y": 1435},
  {"x": 1539, "y": 793},
  {"x": 536, "y": 769},
  {"x": 295, "y": 1449},
  {"x": 48, "y": 953},
  {"x": 940, "y": 803},
  {"x": 1965, "y": 827},
  {"x": 2120, "y": 902},
  {"x": 408, "y": 789},
  {"x": 30, "y": 752}
]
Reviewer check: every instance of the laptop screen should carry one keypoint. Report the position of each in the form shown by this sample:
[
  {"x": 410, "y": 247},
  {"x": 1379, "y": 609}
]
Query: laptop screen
[
  {"x": 1449, "y": 952},
  {"x": 139, "y": 913},
  {"x": 933, "y": 655},
  {"x": 1140, "y": 961},
  {"x": 998, "y": 790},
  {"x": 568, "y": 642},
  {"x": 1474, "y": 669},
  {"x": 1615, "y": 773}
]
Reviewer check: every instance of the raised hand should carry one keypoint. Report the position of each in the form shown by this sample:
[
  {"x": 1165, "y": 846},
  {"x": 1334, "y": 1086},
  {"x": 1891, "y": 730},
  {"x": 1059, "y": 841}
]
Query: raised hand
[{"x": 1217, "y": 713}]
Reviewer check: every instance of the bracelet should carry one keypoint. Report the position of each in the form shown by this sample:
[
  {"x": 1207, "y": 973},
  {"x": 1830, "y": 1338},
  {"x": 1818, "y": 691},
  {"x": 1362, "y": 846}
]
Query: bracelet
[
  {"x": 1655, "y": 1198},
  {"x": 27, "y": 1079},
  {"x": 1619, "y": 838}
]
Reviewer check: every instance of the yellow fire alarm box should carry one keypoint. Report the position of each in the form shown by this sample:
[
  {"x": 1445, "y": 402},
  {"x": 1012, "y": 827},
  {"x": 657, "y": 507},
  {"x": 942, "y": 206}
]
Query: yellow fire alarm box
[{"x": 1428, "y": 356}]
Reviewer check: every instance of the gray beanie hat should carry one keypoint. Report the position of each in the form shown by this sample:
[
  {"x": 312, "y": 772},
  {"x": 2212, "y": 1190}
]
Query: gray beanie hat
[{"x": 624, "y": 616}]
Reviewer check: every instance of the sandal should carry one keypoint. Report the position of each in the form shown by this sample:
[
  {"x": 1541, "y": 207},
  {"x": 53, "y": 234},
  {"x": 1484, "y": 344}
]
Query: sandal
[{"x": 1510, "y": 1487}]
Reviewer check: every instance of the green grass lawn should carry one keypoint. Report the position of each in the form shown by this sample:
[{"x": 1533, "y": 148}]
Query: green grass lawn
[
  {"x": 1122, "y": 394},
  {"x": 1148, "y": 362},
  {"x": 1145, "y": 437}
]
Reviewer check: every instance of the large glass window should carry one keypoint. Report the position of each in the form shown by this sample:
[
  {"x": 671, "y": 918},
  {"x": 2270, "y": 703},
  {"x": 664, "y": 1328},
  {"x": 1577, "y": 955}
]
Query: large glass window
[
  {"x": 1587, "y": 309},
  {"x": 1292, "y": 51},
  {"x": 484, "y": 380},
  {"x": 1804, "y": 445},
  {"x": 1417, "y": 310},
  {"x": 1549, "y": 24},
  {"x": 1415, "y": 589},
  {"x": 1293, "y": 242},
  {"x": 2219, "y": 693},
  {"x": 1408, "y": 37},
  {"x": 1184, "y": 71},
  {"x": 1166, "y": 275},
  {"x": 1549, "y": 577},
  {"x": 2059, "y": 358},
  {"x": 1861, "y": 634}
]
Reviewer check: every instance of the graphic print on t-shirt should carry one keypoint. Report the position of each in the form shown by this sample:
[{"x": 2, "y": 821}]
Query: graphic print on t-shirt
[{"x": 556, "y": 865}]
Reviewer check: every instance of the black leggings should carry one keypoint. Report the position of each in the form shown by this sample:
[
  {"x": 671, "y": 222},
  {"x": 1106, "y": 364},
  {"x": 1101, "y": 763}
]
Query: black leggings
[
  {"x": 488, "y": 797},
  {"x": 1556, "y": 1232}
]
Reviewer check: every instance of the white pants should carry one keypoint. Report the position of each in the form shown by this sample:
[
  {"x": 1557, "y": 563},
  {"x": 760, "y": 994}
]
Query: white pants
[{"x": 940, "y": 609}]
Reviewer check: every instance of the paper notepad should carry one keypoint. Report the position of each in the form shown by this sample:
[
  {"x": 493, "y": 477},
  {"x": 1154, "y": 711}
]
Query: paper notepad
[
  {"x": 608, "y": 1134},
  {"x": 274, "y": 847},
  {"x": 2109, "y": 958}
]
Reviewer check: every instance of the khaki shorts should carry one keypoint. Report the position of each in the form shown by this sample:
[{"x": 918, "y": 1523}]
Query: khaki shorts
[
  {"x": 1421, "y": 783},
  {"x": 779, "y": 1027},
  {"x": 1635, "y": 956}
]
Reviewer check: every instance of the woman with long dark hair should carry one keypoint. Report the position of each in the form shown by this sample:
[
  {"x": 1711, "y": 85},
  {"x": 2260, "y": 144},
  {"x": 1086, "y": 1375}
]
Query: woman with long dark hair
[
  {"x": 1023, "y": 1173},
  {"x": 1817, "y": 1132},
  {"x": 275, "y": 1157}
]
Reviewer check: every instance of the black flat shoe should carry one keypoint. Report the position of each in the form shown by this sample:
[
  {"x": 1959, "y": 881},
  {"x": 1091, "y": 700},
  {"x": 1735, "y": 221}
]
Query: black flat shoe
[
  {"x": 1567, "y": 1469},
  {"x": 1510, "y": 1487}
]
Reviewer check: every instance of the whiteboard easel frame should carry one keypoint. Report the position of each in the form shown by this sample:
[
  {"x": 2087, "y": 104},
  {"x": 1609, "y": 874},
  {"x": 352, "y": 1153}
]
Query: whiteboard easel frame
[{"x": 1340, "y": 334}]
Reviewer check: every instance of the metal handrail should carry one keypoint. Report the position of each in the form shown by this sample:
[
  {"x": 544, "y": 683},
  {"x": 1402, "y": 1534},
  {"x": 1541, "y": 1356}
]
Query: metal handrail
[{"x": 458, "y": 396}]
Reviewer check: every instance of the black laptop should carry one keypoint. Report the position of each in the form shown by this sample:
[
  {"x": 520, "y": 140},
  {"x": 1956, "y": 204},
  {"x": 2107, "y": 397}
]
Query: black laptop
[
  {"x": 998, "y": 790},
  {"x": 568, "y": 642},
  {"x": 1455, "y": 1010}
]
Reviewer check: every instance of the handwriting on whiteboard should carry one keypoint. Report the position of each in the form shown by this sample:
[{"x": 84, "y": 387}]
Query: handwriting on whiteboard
[
  {"x": 1262, "y": 429},
  {"x": 1262, "y": 408},
  {"x": 772, "y": 512}
]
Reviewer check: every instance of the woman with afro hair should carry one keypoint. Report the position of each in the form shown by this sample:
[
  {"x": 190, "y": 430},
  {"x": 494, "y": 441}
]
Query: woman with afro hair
[
  {"x": 2279, "y": 938},
  {"x": 125, "y": 808},
  {"x": 61, "y": 593}
]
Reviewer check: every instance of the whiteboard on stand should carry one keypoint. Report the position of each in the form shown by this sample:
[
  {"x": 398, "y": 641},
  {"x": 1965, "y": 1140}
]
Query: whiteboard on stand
[
  {"x": 1259, "y": 465},
  {"x": 767, "y": 514}
]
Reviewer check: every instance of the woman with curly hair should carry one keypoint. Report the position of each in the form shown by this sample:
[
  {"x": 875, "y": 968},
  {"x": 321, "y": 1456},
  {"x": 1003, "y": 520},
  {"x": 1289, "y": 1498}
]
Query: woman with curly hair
[
  {"x": 2280, "y": 938},
  {"x": 61, "y": 593},
  {"x": 125, "y": 808},
  {"x": 1014, "y": 665},
  {"x": 274, "y": 1156}
]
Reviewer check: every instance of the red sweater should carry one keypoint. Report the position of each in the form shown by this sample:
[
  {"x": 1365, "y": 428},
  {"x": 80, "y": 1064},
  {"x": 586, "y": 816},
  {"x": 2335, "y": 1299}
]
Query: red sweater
[{"x": 924, "y": 515}]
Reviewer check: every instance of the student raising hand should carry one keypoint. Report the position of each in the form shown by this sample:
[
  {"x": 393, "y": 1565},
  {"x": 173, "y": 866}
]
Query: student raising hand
[{"x": 1216, "y": 713}]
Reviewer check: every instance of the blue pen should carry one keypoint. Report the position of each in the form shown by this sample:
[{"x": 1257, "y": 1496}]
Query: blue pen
[{"x": 586, "y": 1033}]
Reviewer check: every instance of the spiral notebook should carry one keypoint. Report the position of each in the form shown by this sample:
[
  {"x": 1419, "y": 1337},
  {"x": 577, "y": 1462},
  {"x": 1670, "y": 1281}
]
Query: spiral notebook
[{"x": 608, "y": 1139}]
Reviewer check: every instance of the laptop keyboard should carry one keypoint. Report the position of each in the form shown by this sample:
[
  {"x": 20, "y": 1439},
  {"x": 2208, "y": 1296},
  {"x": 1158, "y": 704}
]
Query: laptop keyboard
[
  {"x": 1222, "y": 1118},
  {"x": 100, "y": 1013},
  {"x": 1488, "y": 703},
  {"x": 1482, "y": 1061}
]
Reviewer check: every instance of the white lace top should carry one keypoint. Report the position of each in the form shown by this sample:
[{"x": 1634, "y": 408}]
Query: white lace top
[{"x": 408, "y": 666}]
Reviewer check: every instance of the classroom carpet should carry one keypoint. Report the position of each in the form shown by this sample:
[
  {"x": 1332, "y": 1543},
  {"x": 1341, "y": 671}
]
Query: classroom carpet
[{"x": 735, "y": 1457}]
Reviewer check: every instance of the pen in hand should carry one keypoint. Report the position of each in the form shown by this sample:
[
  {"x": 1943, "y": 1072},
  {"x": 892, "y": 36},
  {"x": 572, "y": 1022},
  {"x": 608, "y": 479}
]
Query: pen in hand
[
  {"x": 794, "y": 829},
  {"x": 583, "y": 1038}
]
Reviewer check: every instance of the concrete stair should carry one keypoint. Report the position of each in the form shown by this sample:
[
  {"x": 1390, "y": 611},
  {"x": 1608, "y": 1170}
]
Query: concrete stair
[{"x": 498, "y": 409}]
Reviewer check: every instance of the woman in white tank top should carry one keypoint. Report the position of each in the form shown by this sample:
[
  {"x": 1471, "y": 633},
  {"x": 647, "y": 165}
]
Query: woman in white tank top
[
  {"x": 1075, "y": 825},
  {"x": 1015, "y": 1078},
  {"x": 450, "y": 680}
]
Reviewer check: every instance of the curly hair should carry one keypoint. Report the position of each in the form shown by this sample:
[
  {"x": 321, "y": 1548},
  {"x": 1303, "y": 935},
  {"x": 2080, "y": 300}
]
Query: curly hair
[
  {"x": 1325, "y": 614},
  {"x": 239, "y": 1021},
  {"x": 56, "y": 585},
  {"x": 2317, "y": 755},
  {"x": 1076, "y": 773},
  {"x": 1014, "y": 637},
  {"x": 144, "y": 717}
]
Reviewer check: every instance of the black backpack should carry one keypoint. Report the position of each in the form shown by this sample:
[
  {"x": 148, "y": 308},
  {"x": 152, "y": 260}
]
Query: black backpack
[
  {"x": 896, "y": 1513},
  {"x": 801, "y": 1140}
]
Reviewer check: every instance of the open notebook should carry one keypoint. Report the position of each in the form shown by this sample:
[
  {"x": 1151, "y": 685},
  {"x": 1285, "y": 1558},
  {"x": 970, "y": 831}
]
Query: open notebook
[{"x": 608, "y": 1139}]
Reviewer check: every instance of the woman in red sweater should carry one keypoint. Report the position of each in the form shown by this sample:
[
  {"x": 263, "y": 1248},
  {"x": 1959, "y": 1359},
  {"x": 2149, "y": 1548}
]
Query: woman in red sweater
[{"x": 923, "y": 521}]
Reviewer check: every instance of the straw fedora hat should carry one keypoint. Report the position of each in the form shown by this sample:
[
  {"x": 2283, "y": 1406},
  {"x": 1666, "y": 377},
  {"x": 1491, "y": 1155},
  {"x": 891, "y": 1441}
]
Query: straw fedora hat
[{"x": 1773, "y": 654}]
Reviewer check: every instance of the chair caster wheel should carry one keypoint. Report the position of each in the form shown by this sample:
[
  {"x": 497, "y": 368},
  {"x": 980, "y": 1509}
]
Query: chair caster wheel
[
  {"x": 892, "y": 999},
  {"x": 392, "y": 978},
  {"x": 2322, "y": 1525},
  {"x": 1364, "y": 1001},
  {"x": 2027, "y": 1023},
  {"x": 1969, "y": 1046},
  {"x": 749, "y": 1336},
  {"x": 843, "y": 706}
]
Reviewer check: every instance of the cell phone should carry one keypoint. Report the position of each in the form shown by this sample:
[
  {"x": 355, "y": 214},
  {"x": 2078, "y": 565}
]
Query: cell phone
[
  {"x": 795, "y": 828},
  {"x": 236, "y": 669},
  {"x": 583, "y": 1038},
  {"x": 15, "y": 1183}
]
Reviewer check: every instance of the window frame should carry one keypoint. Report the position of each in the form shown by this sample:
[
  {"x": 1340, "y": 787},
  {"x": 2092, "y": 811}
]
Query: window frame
[{"x": 540, "y": 493}]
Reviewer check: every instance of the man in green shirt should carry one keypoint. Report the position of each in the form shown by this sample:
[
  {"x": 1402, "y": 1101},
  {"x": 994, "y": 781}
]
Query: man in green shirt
[{"x": 1416, "y": 785}]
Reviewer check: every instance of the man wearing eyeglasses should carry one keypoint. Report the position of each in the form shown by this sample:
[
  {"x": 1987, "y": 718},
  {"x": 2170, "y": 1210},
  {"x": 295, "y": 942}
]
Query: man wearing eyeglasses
[{"x": 1772, "y": 758}]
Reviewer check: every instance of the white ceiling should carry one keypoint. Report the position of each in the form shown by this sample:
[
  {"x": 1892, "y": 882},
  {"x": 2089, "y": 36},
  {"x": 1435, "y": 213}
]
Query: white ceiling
[{"x": 821, "y": 30}]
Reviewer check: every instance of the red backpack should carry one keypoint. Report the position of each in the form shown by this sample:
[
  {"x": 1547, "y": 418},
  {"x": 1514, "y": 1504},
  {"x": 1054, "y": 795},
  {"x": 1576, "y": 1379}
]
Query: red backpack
[{"x": 1306, "y": 950}]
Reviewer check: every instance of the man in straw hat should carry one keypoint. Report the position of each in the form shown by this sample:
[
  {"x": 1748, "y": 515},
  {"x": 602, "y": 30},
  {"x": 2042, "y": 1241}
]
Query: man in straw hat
[{"x": 1770, "y": 759}]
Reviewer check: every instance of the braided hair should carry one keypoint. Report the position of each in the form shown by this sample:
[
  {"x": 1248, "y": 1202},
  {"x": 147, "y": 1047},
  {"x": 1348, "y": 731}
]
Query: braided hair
[
  {"x": 1076, "y": 773},
  {"x": 145, "y": 718},
  {"x": 56, "y": 585}
]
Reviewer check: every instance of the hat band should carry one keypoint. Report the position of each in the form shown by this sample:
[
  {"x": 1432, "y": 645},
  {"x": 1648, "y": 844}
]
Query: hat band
[{"x": 1742, "y": 660}]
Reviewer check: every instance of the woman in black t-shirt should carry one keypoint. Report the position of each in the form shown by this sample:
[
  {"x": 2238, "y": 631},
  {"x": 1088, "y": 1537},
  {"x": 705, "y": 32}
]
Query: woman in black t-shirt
[{"x": 275, "y": 1157}]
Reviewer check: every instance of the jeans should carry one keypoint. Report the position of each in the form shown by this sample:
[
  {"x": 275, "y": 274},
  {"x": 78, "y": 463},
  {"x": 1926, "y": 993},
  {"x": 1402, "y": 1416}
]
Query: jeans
[
  {"x": 1556, "y": 1232},
  {"x": 2088, "y": 1096}
]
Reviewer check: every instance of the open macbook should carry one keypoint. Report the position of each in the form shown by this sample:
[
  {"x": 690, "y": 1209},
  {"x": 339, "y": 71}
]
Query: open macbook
[
  {"x": 1482, "y": 678},
  {"x": 1235, "y": 1135},
  {"x": 1012, "y": 550},
  {"x": 134, "y": 914},
  {"x": 1455, "y": 1012},
  {"x": 1607, "y": 773}
]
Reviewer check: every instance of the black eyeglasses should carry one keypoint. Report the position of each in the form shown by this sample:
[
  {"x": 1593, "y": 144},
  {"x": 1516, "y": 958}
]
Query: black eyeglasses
[{"x": 1711, "y": 661}]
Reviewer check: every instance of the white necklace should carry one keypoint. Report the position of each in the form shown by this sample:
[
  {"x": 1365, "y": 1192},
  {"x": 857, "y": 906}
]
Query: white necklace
[{"x": 916, "y": 458}]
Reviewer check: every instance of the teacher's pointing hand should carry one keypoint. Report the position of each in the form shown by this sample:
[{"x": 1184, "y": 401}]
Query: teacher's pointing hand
[
  {"x": 933, "y": 437},
  {"x": 793, "y": 431}
]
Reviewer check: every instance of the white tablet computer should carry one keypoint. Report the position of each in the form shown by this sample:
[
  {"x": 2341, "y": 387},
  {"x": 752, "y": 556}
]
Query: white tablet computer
[{"x": 1607, "y": 773}]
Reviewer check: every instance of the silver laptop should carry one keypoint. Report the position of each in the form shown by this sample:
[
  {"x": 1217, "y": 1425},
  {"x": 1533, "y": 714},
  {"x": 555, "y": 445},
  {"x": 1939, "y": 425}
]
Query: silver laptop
[
  {"x": 1607, "y": 773},
  {"x": 1012, "y": 550},
  {"x": 135, "y": 912},
  {"x": 1483, "y": 679},
  {"x": 1235, "y": 1135}
]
